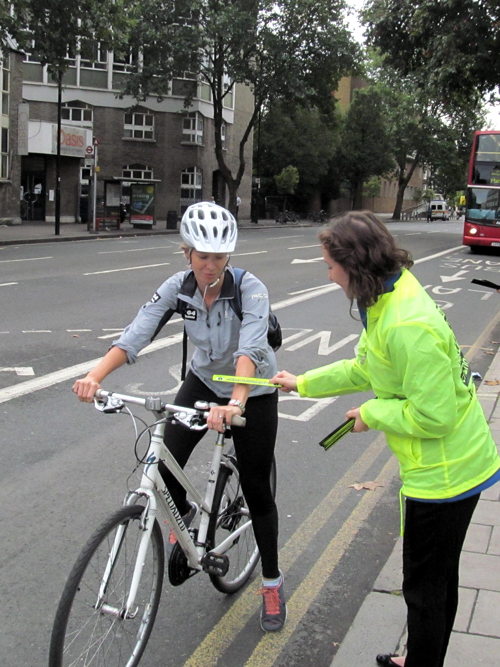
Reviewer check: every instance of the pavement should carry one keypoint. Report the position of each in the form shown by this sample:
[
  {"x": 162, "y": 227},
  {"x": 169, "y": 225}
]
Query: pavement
[
  {"x": 380, "y": 624},
  {"x": 44, "y": 232}
]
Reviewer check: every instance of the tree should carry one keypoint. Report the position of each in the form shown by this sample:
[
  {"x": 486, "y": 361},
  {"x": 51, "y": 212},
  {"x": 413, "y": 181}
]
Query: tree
[
  {"x": 53, "y": 35},
  {"x": 452, "y": 46},
  {"x": 284, "y": 49},
  {"x": 286, "y": 181},
  {"x": 303, "y": 137},
  {"x": 364, "y": 142},
  {"x": 421, "y": 130}
]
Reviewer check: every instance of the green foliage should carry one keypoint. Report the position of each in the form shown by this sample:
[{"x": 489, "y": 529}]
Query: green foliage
[
  {"x": 452, "y": 47},
  {"x": 300, "y": 136},
  {"x": 285, "y": 49},
  {"x": 53, "y": 32},
  {"x": 287, "y": 180},
  {"x": 364, "y": 148}
]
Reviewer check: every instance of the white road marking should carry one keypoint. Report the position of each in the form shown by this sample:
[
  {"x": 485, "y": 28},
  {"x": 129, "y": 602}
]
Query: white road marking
[
  {"x": 244, "y": 254},
  {"x": 7, "y": 284},
  {"x": 26, "y": 259},
  {"x": 459, "y": 275},
  {"x": 29, "y": 386},
  {"x": 44, "y": 381},
  {"x": 307, "y": 261},
  {"x": 18, "y": 370},
  {"x": 36, "y": 331},
  {"x": 127, "y": 268},
  {"x": 117, "y": 252}
]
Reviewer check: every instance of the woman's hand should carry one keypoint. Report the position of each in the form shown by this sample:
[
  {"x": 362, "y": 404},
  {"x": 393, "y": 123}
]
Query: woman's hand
[
  {"x": 85, "y": 388},
  {"x": 286, "y": 380},
  {"x": 359, "y": 424},
  {"x": 221, "y": 415}
]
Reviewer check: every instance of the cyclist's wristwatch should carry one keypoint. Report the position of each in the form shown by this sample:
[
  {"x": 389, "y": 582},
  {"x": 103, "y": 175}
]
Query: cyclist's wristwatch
[{"x": 238, "y": 404}]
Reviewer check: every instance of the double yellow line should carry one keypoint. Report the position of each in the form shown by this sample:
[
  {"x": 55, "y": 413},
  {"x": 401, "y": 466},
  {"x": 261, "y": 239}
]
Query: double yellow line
[{"x": 270, "y": 646}]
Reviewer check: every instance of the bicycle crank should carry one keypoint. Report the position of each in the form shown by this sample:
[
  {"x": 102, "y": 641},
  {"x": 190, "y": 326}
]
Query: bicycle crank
[
  {"x": 178, "y": 568},
  {"x": 215, "y": 564}
]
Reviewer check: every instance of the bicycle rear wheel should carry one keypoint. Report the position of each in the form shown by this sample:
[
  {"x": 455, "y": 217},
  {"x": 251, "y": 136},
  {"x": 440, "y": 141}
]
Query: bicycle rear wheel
[
  {"x": 89, "y": 631},
  {"x": 230, "y": 512}
]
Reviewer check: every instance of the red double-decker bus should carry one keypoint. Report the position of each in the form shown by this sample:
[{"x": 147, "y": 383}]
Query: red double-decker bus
[{"x": 482, "y": 215}]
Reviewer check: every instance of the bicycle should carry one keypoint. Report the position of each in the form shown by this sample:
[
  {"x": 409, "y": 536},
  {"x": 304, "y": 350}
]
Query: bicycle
[
  {"x": 110, "y": 600},
  {"x": 284, "y": 217}
]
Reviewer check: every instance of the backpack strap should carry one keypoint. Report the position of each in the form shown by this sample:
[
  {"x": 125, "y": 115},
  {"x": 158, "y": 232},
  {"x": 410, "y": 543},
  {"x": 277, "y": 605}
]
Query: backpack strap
[{"x": 236, "y": 303}]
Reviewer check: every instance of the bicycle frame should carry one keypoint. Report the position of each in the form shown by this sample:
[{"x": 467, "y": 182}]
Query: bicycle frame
[{"x": 158, "y": 498}]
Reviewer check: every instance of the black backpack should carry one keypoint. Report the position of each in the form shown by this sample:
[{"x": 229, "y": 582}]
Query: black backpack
[{"x": 274, "y": 336}]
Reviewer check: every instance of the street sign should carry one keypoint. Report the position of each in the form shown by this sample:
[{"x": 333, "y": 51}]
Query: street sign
[{"x": 89, "y": 150}]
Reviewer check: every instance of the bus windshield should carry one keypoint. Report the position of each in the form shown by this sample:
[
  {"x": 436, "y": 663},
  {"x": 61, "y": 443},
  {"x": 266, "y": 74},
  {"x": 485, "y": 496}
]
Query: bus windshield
[
  {"x": 483, "y": 205},
  {"x": 487, "y": 160}
]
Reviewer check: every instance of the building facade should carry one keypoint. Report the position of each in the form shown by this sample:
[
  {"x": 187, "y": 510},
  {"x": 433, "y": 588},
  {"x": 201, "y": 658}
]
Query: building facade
[{"x": 118, "y": 159}]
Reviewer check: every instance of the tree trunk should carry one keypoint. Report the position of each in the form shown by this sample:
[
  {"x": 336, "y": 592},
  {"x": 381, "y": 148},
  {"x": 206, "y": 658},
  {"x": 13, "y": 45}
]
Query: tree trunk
[
  {"x": 403, "y": 180},
  {"x": 357, "y": 200}
]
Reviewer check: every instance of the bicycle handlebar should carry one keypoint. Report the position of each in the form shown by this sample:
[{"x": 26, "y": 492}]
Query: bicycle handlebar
[{"x": 113, "y": 401}]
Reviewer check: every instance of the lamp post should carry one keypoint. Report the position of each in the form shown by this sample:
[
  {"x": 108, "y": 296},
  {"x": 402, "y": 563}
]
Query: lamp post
[{"x": 58, "y": 156}]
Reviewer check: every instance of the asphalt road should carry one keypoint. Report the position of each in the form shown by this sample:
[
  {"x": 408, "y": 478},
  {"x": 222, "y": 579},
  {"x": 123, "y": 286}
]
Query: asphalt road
[{"x": 65, "y": 465}]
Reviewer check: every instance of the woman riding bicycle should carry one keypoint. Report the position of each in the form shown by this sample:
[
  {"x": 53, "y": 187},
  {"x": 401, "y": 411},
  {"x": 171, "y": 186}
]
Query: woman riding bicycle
[{"x": 223, "y": 344}]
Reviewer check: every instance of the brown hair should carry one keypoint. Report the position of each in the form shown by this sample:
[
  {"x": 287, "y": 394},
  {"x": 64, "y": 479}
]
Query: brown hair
[{"x": 365, "y": 249}]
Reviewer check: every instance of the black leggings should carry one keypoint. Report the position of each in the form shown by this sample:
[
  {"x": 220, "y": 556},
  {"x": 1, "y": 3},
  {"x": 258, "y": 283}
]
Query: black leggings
[
  {"x": 254, "y": 447},
  {"x": 433, "y": 539}
]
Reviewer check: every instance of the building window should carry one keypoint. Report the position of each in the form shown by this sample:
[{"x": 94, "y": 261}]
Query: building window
[
  {"x": 192, "y": 128},
  {"x": 93, "y": 55},
  {"x": 4, "y": 116},
  {"x": 125, "y": 62},
  {"x": 138, "y": 125},
  {"x": 191, "y": 186},
  {"x": 77, "y": 112},
  {"x": 137, "y": 172}
]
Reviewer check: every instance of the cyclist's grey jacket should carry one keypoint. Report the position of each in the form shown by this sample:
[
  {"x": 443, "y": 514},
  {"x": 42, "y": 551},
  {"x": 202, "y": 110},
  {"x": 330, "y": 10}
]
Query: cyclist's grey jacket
[{"x": 218, "y": 335}]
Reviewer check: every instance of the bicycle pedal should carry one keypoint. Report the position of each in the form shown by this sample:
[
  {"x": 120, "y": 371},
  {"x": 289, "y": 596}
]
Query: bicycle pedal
[{"x": 215, "y": 564}]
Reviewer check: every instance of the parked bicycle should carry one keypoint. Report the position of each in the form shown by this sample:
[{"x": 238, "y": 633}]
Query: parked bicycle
[
  {"x": 109, "y": 603},
  {"x": 284, "y": 217},
  {"x": 318, "y": 216}
]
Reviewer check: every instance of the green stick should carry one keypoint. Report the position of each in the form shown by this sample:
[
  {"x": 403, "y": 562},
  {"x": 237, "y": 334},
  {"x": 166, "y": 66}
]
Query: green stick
[{"x": 236, "y": 379}]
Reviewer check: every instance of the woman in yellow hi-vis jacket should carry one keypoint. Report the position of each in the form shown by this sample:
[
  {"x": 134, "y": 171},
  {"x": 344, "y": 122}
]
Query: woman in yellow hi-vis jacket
[{"x": 425, "y": 403}]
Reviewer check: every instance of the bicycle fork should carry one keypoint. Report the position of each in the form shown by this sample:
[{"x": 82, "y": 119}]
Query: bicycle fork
[{"x": 146, "y": 526}]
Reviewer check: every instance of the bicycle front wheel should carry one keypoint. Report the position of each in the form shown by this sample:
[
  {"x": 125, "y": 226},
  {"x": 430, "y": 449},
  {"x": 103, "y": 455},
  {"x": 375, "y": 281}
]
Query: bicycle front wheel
[
  {"x": 90, "y": 627},
  {"x": 229, "y": 513}
]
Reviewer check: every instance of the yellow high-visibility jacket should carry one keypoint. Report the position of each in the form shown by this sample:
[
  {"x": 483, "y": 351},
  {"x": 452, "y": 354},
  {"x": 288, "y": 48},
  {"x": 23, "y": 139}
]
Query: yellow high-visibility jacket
[{"x": 425, "y": 403}]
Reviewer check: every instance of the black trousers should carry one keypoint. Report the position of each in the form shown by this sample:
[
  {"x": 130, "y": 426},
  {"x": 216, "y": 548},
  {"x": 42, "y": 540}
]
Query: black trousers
[
  {"x": 432, "y": 543},
  {"x": 254, "y": 447}
]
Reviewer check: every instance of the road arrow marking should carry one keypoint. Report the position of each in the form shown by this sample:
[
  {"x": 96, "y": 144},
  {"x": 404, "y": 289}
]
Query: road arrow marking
[
  {"x": 18, "y": 370},
  {"x": 457, "y": 276}
]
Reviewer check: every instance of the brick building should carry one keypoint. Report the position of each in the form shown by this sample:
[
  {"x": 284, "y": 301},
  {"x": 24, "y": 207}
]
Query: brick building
[{"x": 153, "y": 158}]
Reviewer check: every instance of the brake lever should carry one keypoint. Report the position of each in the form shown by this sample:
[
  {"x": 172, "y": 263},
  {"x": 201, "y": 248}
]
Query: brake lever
[{"x": 109, "y": 405}]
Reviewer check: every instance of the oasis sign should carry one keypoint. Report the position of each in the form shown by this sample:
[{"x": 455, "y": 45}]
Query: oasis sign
[{"x": 74, "y": 141}]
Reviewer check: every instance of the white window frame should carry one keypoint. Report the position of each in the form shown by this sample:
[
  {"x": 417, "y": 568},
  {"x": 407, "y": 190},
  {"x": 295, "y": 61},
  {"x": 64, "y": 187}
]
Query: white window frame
[
  {"x": 76, "y": 108},
  {"x": 192, "y": 128},
  {"x": 137, "y": 172},
  {"x": 141, "y": 124},
  {"x": 191, "y": 185}
]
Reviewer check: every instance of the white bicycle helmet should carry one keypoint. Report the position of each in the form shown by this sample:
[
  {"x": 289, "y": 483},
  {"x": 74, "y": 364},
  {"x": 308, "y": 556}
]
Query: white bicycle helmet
[{"x": 207, "y": 227}]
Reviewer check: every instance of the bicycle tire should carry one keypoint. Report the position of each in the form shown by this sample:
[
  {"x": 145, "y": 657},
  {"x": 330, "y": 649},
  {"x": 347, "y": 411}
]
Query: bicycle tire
[
  {"x": 84, "y": 635},
  {"x": 228, "y": 511}
]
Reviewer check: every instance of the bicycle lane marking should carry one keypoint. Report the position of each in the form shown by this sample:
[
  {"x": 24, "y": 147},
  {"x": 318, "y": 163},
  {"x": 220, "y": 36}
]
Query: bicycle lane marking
[
  {"x": 23, "y": 388},
  {"x": 222, "y": 635},
  {"x": 45, "y": 381}
]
